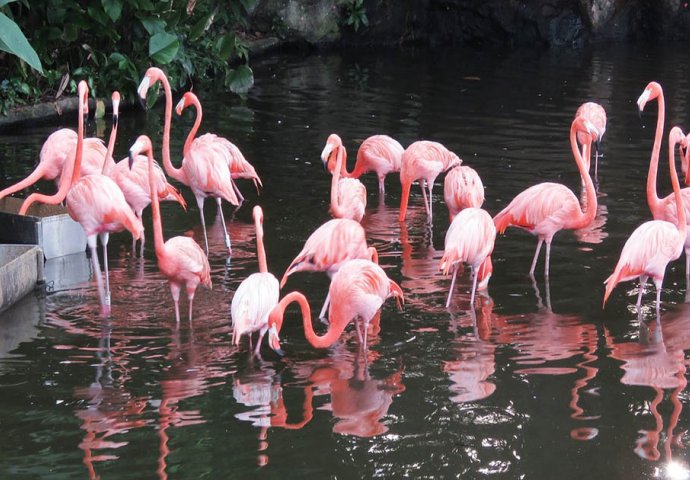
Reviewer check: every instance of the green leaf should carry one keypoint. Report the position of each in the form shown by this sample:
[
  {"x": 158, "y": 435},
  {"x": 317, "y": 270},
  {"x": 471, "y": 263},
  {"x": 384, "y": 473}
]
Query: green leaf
[
  {"x": 98, "y": 14},
  {"x": 226, "y": 45},
  {"x": 5, "y": 2},
  {"x": 13, "y": 41},
  {"x": 163, "y": 47},
  {"x": 153, "y": 25},
  {"x": 201, "y": 26},
  {"x": 240, "y": 80},
  {"x": 113, "y": 8}
]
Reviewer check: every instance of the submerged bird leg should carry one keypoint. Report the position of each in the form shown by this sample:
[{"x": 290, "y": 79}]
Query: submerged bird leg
[
  {"x": 225, "y": 229},
  {"x": 475, "y": 273},
  {"x": 382, "y": 187},
  {"x": 643, "y": 280},
  {"x": 430, "y": 186},
  {"x": 104, "y": 241},
  {"x": 257, "y": 349},
  {"x": 422, "y": 184},
  {"x": 97, "y": 273},
  {"x": 548, "y": 258},
  {"x": 175, "y": 291},
  {"x": 200, "y": 203},
  {"x": 536, "y": 256},
  {"x": 452, "y": 284},
  {"x": 322, "y": 315},
  {"x": 687, "y": 271},
  {"x": 658, "y": 283}
]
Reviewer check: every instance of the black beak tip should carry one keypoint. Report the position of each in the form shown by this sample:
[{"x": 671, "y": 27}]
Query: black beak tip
[
  {"x": 279, "y": 351},
  {"x": 131, "y": 159},
  {"x": 115, "y": 120},
  {"x": 142, "y": 102}
]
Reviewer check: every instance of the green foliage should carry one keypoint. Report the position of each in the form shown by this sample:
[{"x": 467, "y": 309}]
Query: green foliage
[
  {"x": 13, "y": 41},
  {"x": 111, "y": 43},
  {"x": 355, "y": 14}
]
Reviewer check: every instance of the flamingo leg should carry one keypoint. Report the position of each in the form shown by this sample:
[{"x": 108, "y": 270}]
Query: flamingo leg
[
  {"x": 91, "y": 240},
  {"x": 430, "y": 186},
  {"x": 322, "y": 315},
  {"x": 238, "y": 193},
  {"x": 475, "y": 273},
  {"x": 225, "y": 229},
  {"x": 452, "y": 284},
  {"x": 536, "y": 256},
  {"x": 687, "y": 270},
  {"x": 422, "y": 184},
  {"x": 382, "y": 187},
  {"x": 643, "y": 280},
  {"x": 104, "y": 241},
  {"x": 658, "y": 283},
  {"x": 200, "y": 203},
  {"x": 257, "y": 350},
  {"x": 548, "y": 258},
  {"x": 175, "y": 291}
]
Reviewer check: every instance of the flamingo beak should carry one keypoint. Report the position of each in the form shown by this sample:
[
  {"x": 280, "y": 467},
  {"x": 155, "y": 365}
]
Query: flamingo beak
[
  {"x": 325, "y": 154},
  {"x": 143, "y": 88},
  {"x": 180, "y": 106},
  {"x": 274, "y": 341}
]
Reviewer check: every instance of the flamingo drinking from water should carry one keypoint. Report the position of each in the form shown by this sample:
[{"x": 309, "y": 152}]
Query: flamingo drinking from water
[
  {"x": 547, "y": 208},
  {"x": 348, "y": 195},
  {"x": 462, "y": 188},
  {"x": 655, "y": 243},
  {"x": 180, "y": 259},
  {"x": 596, "y": 115},
  {"x": 357, "y": 292},
  {"x": 256, "y": 296},
  {"x": 204, "y": 169},
  {"x": 423, "y": 161}
]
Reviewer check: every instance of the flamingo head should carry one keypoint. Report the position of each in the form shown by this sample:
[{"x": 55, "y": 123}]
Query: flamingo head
[
  {"x": 83, "y": 96},
  {"x": 152, "y": 75},
  {"x": 484, "y": 274},
  {"x": 652, "y": 91},
  {"x": 116, "y": 107},
  {"x": 328, "y": 155},
  {"x": 454, "y": 160},
  {"x": 676, "y": 136},
  {"x": 187, "y": 99},
  {"x": 273, "y": 337},
  {"x": 142, "y": 145},
  {"x": 258, "y": 215},
  {"x": 584, "y": 126},
  {"x": 396, "y": 291}
]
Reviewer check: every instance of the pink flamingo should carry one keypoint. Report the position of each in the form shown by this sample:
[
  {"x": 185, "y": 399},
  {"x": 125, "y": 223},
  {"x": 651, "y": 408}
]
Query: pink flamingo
[
  {"x": 239, "y": 166},
  {"x": 685, "y": 160},
  {"x": 256, "y": 296},
  {"x": 654, "y": 243},
  {"x": 596, "y": 115},
  {"x": 96, "y": 203},
  {"x": 358, "y": 291},
  {"x": 134, "y": 182},
  {"x": 180, "y": 259},
  {"x": 470, "y": 239},
  {"x": 462, "y": 188},
  {"x": 663, "y": 208},
  {"x": 423, "y": 161},
  {"x": 205, "y": 167},
  {"x": 328, "y": 247},
  {"x": 378, "y": 153},
  {"x": 547, "y": 208},
  {"x": 348, "y": 195}
]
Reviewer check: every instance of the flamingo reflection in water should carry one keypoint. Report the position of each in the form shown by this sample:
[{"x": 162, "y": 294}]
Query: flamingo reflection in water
[{"x": 657, "y": 360}]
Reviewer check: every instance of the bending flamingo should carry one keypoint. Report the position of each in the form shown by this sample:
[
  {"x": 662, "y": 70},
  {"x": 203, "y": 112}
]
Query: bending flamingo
[
  {"x": 239, "y": 166},
  {"x": 96, "y": 202},
  {"x": 358, "y": 291},
  {"x": 655, "y": 243},
  {"x": 204, "y": 169},
  {"x": 663, "y": 208},
  {"x": 423, "y": 161},
  {"x": 348, "y": 195},
  {"x": 547, "y": 208},
  {"x": 378, "y": 153},
  {"x": 180, "y": 259},
  {"x": 470, "y": 239},
  {"x": 462, "y": 188},
  {"x": 331, "y": 245},
  {"x": 134, "y": 182},
  {"x": 256, "y": 296},
  {"x": 596, "y": 115}
]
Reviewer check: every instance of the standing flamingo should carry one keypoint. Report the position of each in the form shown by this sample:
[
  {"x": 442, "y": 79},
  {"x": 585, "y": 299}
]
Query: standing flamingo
[
  {"x": 462, "y": 188},
  {"x": 328, "y": 247},
  {"x": 96, "y": 203},
  {"x": 256, "y": 296},
  {"x": 654, "y": 243},
  {"x": 358, "y": 291},
  {"x": 423, "y": 161},
  {"x": 470, "y": 239},
  {"x": 180, "y": 259},
  {"x": 134, "y": 182},
  {"x": 239, "y": 166},
  {"x": 205, "y": 167},
  {"x": 348, "y": 195},
  {"x": 547, "y": 208},
  {"x": 378, "y": 153},
  {"x": 596, "y": 115},
  {"x": 663, "y": 208}
]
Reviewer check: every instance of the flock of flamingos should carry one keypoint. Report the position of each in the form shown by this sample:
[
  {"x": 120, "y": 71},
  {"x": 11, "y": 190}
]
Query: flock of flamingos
[{"x": 107, "y": 197}]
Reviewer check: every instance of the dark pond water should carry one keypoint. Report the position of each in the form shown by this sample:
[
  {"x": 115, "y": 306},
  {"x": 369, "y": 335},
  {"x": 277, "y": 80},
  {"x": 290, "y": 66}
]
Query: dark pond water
[{"x": 542, "y": 383}]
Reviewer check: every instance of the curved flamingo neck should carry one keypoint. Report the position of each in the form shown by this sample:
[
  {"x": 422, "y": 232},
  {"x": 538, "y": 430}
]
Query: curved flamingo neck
[
  {"x": 336, "y": 208},
  {"x": 586, "y": 217},
  {"x": 109, "y": 162},
  {"x": 176, "y": 173},
  {"x": 195, "y": 127},
  {"x": 682, "y": 227},
  {"x": 335, "y": 330},
  {"x": 652, "y": 196},
  {"x": 158, "y": 240},
  {"x": 260, "y": 251}
]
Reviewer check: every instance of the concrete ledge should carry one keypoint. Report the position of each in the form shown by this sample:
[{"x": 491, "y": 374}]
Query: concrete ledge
[{"x": 21, "y": 268}]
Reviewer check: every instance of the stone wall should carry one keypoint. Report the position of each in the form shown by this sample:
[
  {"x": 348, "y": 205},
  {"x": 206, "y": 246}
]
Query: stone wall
[{"x": 475, "y": 22}]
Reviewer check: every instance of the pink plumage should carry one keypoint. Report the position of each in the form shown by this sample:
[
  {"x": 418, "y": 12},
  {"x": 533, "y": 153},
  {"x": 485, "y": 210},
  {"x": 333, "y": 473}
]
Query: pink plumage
[
  {"x": 348, "y": 195},
  {"x": 462, "y": 188}
]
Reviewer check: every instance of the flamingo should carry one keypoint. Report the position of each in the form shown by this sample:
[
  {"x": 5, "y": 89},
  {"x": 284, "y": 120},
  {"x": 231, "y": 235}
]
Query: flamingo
[
  {"x": 204, "y": 169},
  {"x": 96, "y": 203},
  {"x": 348, "y": 195},
  {"x": 328, "y": 247},
  {"x": 663, "y": 208},
  {"x": 596, "y": 115},
  {"x": 378, "y": 153},
  {"x": 547, "y": 208},
  {"x": 358, "y": 291},
  {"x": 180, "y": 259},
  {"x": 256, "y": 296},
  {"x": 462, "y": 188},
  {"x": 470, "y": 238},
  {"x": 239, "y": 166},
  {"x": 134, "y": 182},
  {"x": 654, "y": 243},
  {"x": 423, "y": 161}
]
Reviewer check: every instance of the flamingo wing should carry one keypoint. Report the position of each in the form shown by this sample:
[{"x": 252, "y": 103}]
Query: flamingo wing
[{"x": 252, "y": 303}]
